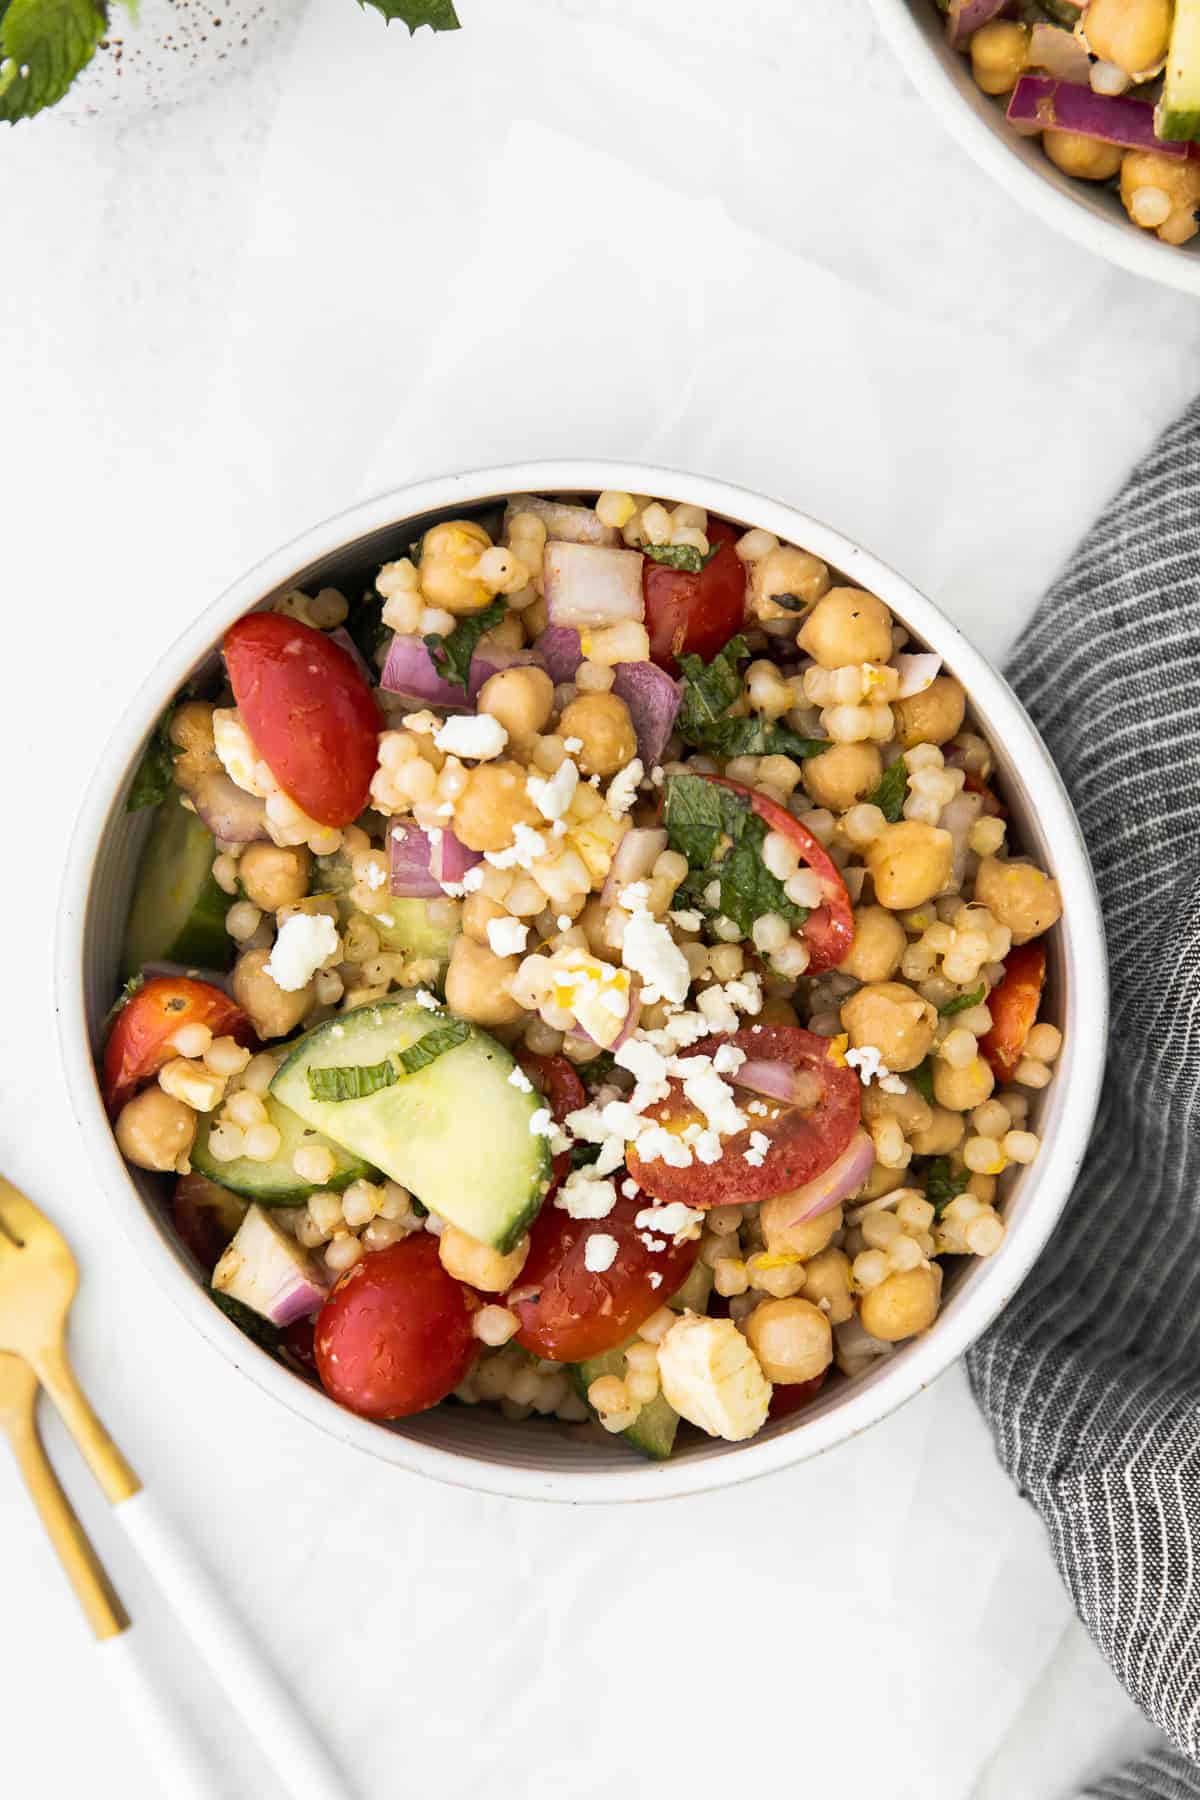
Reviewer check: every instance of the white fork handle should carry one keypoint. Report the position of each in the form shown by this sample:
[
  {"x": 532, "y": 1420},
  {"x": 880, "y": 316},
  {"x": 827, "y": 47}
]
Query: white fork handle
[
  {"x": 269, "y": 1711},
  {"x": 172, "y": 1751}
]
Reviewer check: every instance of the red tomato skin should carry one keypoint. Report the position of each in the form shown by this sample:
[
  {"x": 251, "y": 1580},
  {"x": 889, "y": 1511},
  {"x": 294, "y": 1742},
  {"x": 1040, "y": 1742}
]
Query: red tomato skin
[
  {"x": 394, "y": 1336},
  {"x": 313, "y": 718},
  {"x": 974, "y": 784},
  {"x": 299, "y": 1340},
  {"x": 695, "y": 615},
  {"x": 138, "y": 1047},
  {"x": 829, "y": 931},
  {"x": 574, "y": 1313},
  {"x": 555, "y": 1077},
  {"x": 1013, "y": 1005},
  {"x": 206, "y": 1216},
  {"x": 792, "y": 1396},
  {"x": 803, "y": 1144}
]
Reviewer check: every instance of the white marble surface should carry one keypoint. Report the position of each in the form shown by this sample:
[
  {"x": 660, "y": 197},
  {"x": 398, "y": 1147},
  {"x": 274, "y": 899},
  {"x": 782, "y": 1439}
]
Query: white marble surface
[{"x": 746, "y": 249}]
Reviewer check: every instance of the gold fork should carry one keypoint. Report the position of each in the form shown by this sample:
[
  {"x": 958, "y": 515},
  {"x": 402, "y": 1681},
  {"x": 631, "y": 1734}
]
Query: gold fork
[{"x": 38, "y": 1280}]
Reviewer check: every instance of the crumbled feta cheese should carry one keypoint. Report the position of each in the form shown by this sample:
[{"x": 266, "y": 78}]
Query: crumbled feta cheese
[
  {"x": 868, "y": 1062},
  {"x": 728, "y": 1059},
  {"x": 559, "y": 828},
  {"x": 654, "y": 1278},
  {"x": 653, "y": 1244},
  {"x": 612, "y": 1155},
  {"x": 635, "y": 897},
  {"x": 563, "y": 921},
  {"x": 686, "y": 919},
  {"x": 582, "y": 1196},
  {"x": 657, "y": 1144},
  {"x": 517, "y": 1078},
  {"x": 429, "y": 1001},
  {"x": 541, "y": 1123},
  {"x": 622, "y": 789},
  {"x": 756, "y": 1155},
  {"x": 892, "y": 1084},
  {"x": 473, "y": 880},
  {"x": 507, "y": 937},
  {"x": 236, "y": 751},
  {"x": 572, "y": 745},
  {"x": 707, "y": 1147},
  {"x": 375, "y": 876},
  {"x": 717, "y": 1010},
  {"x": 435, "y": 1223},
  {"x": 713, "y": 1096},
  {"x": 759, "y": 1108},
  {"x": 453, "y": 890},
  {"x": 649, "y": 950},
  {"x": 553, "y": 795},
  {"x": 305, "y": 941},
  {"x": 657, "y": 776},
  {"x": 600, "y": 1252},
  {"x": 528, "y": 846},
  {"x": 435, "y": 834},
  {"x": 477, "y": 735},
  {"x": 630, "y": 1189},
  {"x": 674, "y": 1220}
]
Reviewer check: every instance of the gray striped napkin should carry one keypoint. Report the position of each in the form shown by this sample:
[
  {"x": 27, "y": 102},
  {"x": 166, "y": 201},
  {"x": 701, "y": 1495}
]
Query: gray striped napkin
[{"x": 1091, "y": 1380}]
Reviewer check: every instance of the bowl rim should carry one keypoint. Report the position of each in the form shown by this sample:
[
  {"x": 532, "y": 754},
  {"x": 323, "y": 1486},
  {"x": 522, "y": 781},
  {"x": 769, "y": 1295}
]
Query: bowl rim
[
  {"x": 982, "y": 134},
  {"x": 924, "y": 1359}
]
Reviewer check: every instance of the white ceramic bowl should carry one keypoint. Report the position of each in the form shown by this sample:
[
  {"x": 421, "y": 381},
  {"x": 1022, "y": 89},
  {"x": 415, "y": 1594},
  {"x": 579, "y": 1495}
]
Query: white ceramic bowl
[
  {"x": 474, "y": 1447},
  {"x": 1089, "y": 214}
]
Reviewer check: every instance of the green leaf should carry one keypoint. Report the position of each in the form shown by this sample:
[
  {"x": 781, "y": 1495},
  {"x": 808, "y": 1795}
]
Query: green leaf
[
  {"x": 698, "y": 814},
  {"x": 755, "y": 736},
  {"x": 43, "y": 46},
  {"x": 367, "y": 629},
  {"x": 943, "y": 1183},
  {"x": 892, "y": 792},
  {"x": 435, "y": 1043},
  {"x": 155, "y": 772},
  {"x": 791, "y": 602},
  {"x": 748, "y": 888},
  {"x": 584, "y": 1155},
  {"x": 452, "y": 655},
  {"x": 353, "y": 1083},
  {"x": 246, "y": 1319},
  {"x": 438, "y": 14},
  {"x": 700, "y": 817},
  {"x": 598, "y": 1071},
  {"x": 680, "y": 556},
  {"x": 922, "y": 1079},
  {"x": 710, "y": 689},
  {"x": 962, "y": 1002}
]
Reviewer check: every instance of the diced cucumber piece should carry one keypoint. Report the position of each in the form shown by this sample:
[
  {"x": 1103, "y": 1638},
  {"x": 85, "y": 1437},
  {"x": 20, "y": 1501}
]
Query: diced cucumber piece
[
  {"x": 693, "y": 1295},
  {"x": 456, "y": 1133},
  {"x": 276, "y": 1183},
  {"x": 178, "y": 912},
  {"x": 653, "y": 1431},
  {"x": 1177, "y": 116},
  {"x": 403, "y": 927}
]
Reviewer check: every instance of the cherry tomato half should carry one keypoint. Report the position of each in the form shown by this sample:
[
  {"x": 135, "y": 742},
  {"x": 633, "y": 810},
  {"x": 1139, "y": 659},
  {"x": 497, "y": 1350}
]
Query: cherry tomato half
[
  {"x": 394, "y": 1336},
  {"x": 1013, "y": 1005},
  {"x": 310, "y": 712},
  {"x": 792, "y": 1396},
  {"x": 802, "y": 1142},
  {"x": 139, "y": 1043},
  {"x": 206, "y": 1216},
  {"x": 569, "y": 1312},
  {"x": 565, "y": 1093},
  {"x": 695, "y": 615},
  {"x": 829, "y": 931}
]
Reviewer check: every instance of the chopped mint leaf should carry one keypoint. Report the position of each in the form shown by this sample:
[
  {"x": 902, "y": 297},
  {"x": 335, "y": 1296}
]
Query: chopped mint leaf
[
  {"x": 246, "y": 1319},
  {"x": 584, "y": 1155},
  {"x": 354, "y": 1083},
  {"x": 892, "y": 792},
  {"x": 43, "y": 46},
  {"x": 790, "y": 602},
  {"x": 699, "y": 816},
  {"x": 755, "y": 736},
  {"x": 594, "y": 1073},
  {"x": 680, "y": 556},
  {"x": 962, "y": 1002},
  {"x": 748, "y": 888},
  {"x": 368, "y": 630},
  {"x": 154, "y": 775},
  {"x": 922, "y": 1079},
  {"x": 452, "y": 655},
  {"x": 438, "y": 14},
  {"x": 943, "y": 1183},
  {"x": 710, "y": 689},
  {"x": 435, "y": 1043}
]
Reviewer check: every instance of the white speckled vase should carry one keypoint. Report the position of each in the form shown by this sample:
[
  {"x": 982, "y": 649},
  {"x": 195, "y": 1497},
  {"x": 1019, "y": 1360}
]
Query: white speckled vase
[{"x": 171, "y": 49}]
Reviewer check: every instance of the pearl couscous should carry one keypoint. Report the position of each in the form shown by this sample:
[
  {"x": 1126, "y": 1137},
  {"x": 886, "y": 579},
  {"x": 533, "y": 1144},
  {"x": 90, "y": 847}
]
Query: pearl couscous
[{"x": 591, "y": 976}]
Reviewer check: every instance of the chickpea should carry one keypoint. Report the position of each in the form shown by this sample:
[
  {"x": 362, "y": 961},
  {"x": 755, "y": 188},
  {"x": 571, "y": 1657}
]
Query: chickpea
[
  {"x": 842, "y": 776},
  {"x": 477, "y": 914},
  {"x": 522, "y": 700},
  {"x": 847, "y": 626},
  {"x": 791, "y": 1339},
  {"x": 477, "y": 984},
  {"x": 902, "y": 1304},
  {"x": 783, "y": 1237},
  {"x": 449, "y": 552},
  {"x": 962, "y": 1090},
  {"x": 796, "y": 574},
  {"x": 1087, "y": 159},
  {"x": 594, "y": 920},
  {"x": 191, "y": 730},
  {"x": 827, "y": 1277},
  {"x": 275, "y": 877},
  {"x": 944, "y": 1133},
  {"x": 1134, "y": 34},
  {"x": 879, "y": 943},
  {"x": 1178, "y": 179},
  {"x": 998, "y": 52},
  {"x": 154, "y": 1129},
  {"x": 1019, "y": 895},
  {"x": 478, "y": 1264},
  {"x": 881, "y": 1181},
  {"x": 893, "y": 1018},
  {"x": 273, "y": 1011},
  {"x": 909, "y": 863},
  {"x": 492, "y": 804},
  {"x": 910, "y": 1111},
  {"x": 933, "y": 716},
  {"x": 777, "y": 1012},
  {"x": 603, "y": 724}
]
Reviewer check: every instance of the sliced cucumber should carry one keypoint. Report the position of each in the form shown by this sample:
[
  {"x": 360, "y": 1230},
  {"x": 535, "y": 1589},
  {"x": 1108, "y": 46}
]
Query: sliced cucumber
[
  {"x": 178, "y": 912},
  {"x": 1177, "y": 116},
  {"x": 653, "y": 1431},
  {"x": 276, "y": 1183},
  {"x": 455, "y": 1133}
]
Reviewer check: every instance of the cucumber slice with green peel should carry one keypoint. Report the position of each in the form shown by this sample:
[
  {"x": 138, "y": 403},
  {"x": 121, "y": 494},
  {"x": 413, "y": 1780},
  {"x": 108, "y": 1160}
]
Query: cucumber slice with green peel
[
  {"x": 455, "y": 1132},
  {"x": 178, "y": 911},
  {"x": 276, "y": 1183},
  {"x": 653, "y": 1431},
  {"x": 1177, "y": 115}
]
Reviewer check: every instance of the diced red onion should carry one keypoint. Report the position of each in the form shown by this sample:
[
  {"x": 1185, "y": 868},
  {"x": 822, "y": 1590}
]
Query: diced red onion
[
  {"x": 653, "y": 701},
  {"x": 581, "y": 1040},
  {"x": 633, "y": 859},
  {"x": 916, "y": 673},
  {"x": 1043, "y": 104},
  {"x": 560, "y": 653},
  {"x": 451, "y": 859},
  {"x": 565, "y": 523},
  {"x": 841, "y": 1179},
  {"x": 420, "y": 863},
  {"x": 267, "y": 1271},
  {"x": 228, "y": 810},
  {"x": 587, "y": 585},
  {"x": 409, "y": 671},
  {"x": 778, "y": 1081},
  {"x": 1059, "y": 53},
  {"x": 966, "y": 16}
]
